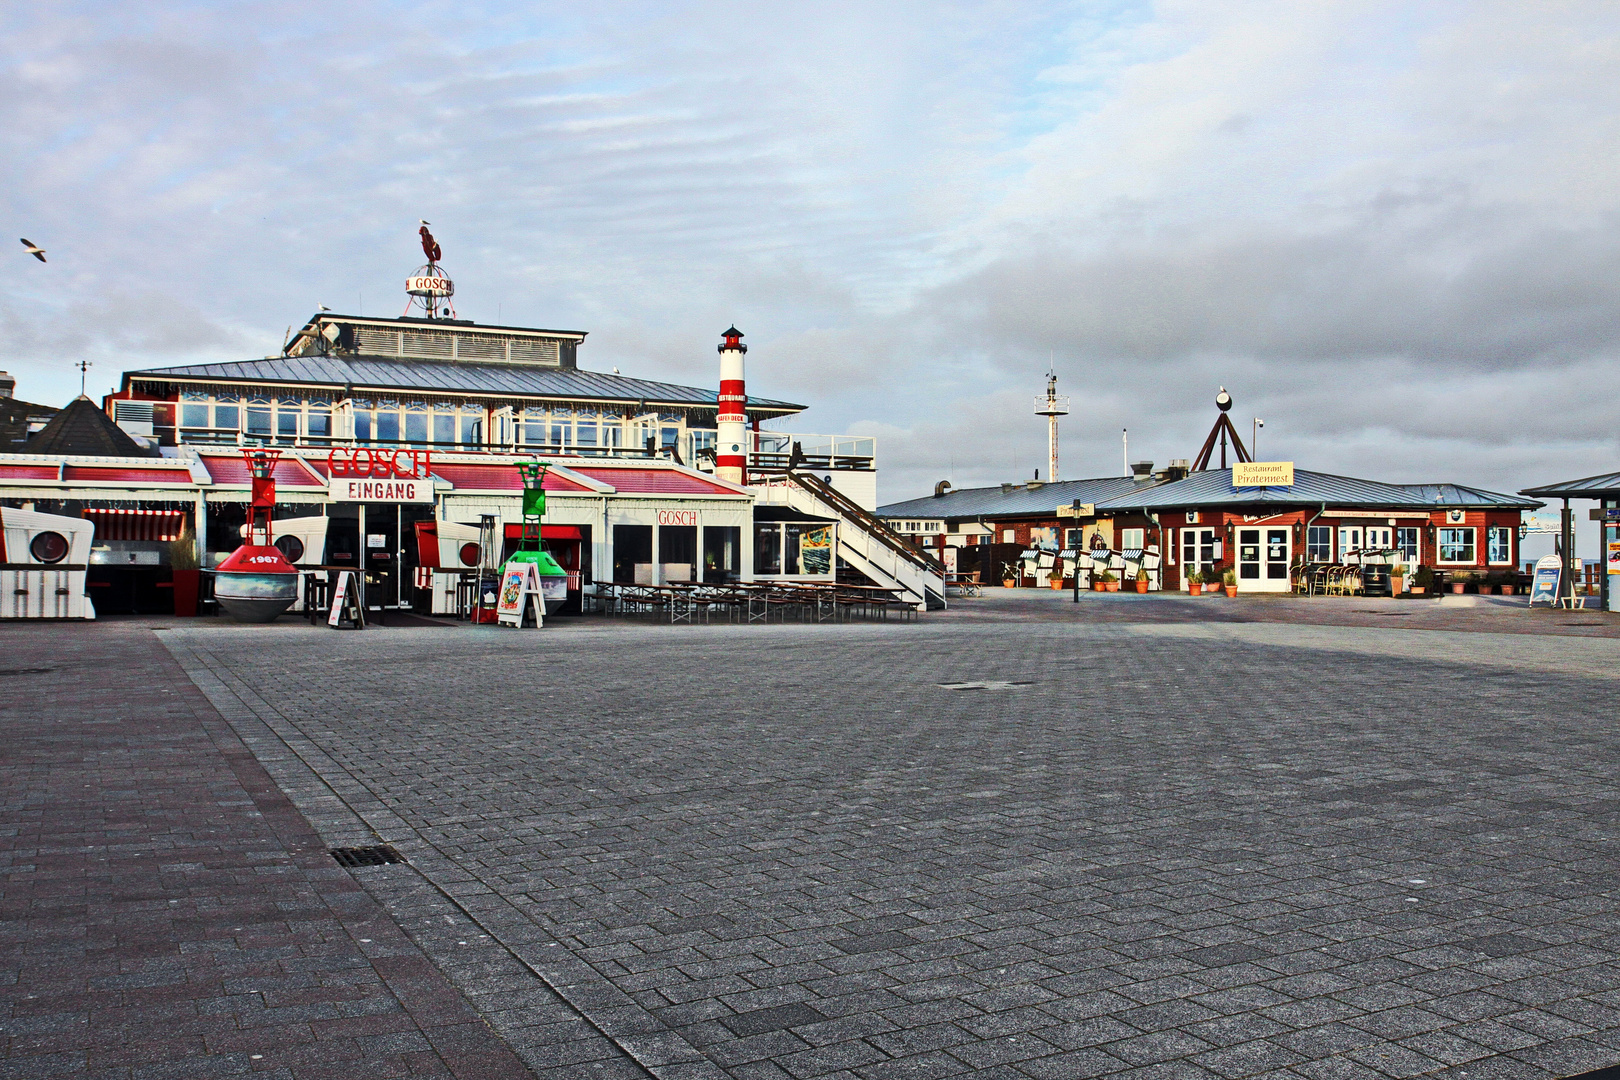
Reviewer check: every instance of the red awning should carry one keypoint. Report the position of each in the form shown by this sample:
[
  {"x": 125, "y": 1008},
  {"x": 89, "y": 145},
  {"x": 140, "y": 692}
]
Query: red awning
[
  {"x": 137, "y": 524},
  {"x": 547, "y": 532},
  {"x": 427, "y": 544}
]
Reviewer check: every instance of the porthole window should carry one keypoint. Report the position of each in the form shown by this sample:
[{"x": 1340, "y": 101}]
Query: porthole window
[
  {"x": 291, "y": 548},
  {"x": 469, "y": 554},
  {"x": 48, "y": 547}
]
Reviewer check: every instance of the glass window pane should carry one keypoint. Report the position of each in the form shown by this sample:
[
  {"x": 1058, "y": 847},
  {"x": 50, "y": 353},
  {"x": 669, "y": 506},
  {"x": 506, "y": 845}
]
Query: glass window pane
[
  {"x": 472, "y": 430},
  {"x": 387, "y": 426},
  {"x": 767, "y": 549},
  {"x": 258, "y": 421},
  {"x": 611, "y": 434},
  {"x": 534, "y": 431},
  {"x": 193, "y": 416},
  {"x": 416, "y": 425},
  {"x": 227, "y": 417},
  {"x": 444, "y": 427},
  {"x": 584, "y": 433},
  {"x": 362, "y": 425},
  {"x": 320, "y": 423},
  {"x": 286, "y": 422}
]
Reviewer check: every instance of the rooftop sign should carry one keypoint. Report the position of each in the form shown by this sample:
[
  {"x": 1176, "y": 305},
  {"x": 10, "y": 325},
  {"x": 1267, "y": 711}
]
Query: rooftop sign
[{"x": 1263, "y": 474}]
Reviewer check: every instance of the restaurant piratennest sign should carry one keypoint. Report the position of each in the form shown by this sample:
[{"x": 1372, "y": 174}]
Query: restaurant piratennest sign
[{"x": 1263, "y": 474}]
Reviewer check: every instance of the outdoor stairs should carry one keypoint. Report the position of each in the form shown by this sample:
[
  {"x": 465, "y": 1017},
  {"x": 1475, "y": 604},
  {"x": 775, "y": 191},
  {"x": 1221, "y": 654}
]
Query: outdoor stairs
[{"x": 864, "y": 541}]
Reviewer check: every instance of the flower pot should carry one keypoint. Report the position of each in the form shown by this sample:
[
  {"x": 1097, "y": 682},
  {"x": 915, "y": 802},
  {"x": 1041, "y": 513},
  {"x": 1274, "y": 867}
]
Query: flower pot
[
  {"x": 1141, "y": 586},
  {"x": 1057, "y": 583},
  {"x": 1231, "y": 590},
  {"x": 1009, "y": 583},
  {"x": 1195, "y": 589},
  {"x": 1111, "y": 586},
  {"x": 1419, "y": 590},
  {"x": 185, "y": 592},
  {"x": 1458, "y": 587},
  {"x": 1507, "y": 590}
]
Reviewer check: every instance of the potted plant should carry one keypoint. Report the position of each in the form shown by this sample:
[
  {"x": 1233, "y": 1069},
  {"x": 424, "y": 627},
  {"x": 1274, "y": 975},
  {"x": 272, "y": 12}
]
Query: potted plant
[
  {"x": 1107, "y": 582},
  {"x": 1009, "y": 576},
  {"x": 183, "y": 563},
  {"x": 1055, "y": 579},
  {"x": 1141, "y": 581},
  {"x": 1195, "y": 583},
  {"x": 1212, "y": 577},
  {"x": 1397, "y": 578},
  {"x": 1229, "y": 580},
  {"x": 1459, "y": 584},
  {"x": 1422, "y": 581}
]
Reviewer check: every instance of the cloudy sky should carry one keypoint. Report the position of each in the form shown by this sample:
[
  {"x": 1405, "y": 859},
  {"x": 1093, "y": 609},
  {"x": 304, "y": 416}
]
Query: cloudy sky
[{"x": 1389, "y": 229}]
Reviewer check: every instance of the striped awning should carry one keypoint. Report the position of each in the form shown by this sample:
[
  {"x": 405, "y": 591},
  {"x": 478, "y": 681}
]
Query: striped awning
[{"x": 137, "y": 524}]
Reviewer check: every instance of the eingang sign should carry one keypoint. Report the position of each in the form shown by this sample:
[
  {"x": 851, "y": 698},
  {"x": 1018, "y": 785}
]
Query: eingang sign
[
  {"x": 1248, "y": 474},
  {"x": 347, "y": 489}
]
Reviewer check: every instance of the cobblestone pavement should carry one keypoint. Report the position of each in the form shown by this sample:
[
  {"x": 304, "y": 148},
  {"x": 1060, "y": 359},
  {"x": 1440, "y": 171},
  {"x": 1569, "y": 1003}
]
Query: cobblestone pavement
[
  {"x": 999, "y": 844},
  {"x": 1471, "y": 613},
  {"x": 165, "y": 912}
]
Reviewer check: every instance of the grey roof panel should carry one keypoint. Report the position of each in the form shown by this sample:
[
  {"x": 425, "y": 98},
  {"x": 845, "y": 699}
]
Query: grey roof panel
[
  {"x": 432, "y": 376},
  {"x": 1214, "y": 488},
  {"x": 1020, "y": 501},
  {"x": 1603, "y": 486}
]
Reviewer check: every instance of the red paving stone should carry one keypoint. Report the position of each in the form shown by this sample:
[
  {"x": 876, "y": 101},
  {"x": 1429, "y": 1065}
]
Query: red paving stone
[{"x": 166, "y": 912}]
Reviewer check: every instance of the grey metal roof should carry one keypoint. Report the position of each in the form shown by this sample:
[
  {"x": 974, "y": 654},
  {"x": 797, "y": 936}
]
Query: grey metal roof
[
  {"x": 1020, "y": 501},
  {"x": 446, "y": 377},
  {"x": 1604, "y": 486},
  {"x": 83, "y": 429},
  {"x": 1214, "y": 488}
]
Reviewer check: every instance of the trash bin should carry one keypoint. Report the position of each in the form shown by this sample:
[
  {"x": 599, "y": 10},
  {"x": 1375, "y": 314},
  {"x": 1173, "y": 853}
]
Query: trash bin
[{"x": 1375, "y": 580}]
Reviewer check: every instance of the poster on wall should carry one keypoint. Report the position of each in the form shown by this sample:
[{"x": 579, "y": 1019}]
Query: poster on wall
[
  {"x": 815, "y": 550},
  {"x": 1544, "y": 586}
]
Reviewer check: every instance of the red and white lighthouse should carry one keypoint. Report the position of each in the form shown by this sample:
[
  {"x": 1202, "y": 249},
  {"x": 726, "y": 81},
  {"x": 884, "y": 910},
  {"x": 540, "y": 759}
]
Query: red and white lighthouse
[{"x": 731, "y": 455}]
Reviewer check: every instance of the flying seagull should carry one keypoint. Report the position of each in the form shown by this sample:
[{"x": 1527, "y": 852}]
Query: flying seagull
[{"x": 34, "y": 249}]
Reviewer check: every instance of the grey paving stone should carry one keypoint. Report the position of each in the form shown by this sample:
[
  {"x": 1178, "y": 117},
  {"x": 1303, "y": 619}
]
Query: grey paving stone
[{"x": 1131, "y": 843}]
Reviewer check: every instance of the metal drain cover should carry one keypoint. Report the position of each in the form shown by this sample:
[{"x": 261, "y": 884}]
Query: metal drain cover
[{"x": 381, "y": 855}]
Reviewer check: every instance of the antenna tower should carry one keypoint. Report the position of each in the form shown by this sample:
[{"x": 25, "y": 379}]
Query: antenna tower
[{"x": 1052, "y": 406}]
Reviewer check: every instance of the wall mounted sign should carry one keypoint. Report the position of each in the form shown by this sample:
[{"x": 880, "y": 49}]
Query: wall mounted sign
[
  {"x": 677, "y": 517},
  {"x": 399, "y": 491},
  {"x": 1542, "y": 521},
  {"x": 379, "y": 464},
  {"x": 1246, "y": 474}
]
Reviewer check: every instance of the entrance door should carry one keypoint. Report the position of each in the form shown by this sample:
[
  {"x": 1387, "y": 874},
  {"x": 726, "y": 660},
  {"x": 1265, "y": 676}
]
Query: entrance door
[
  {"x": 1262, "y": 559},
  {"x": 381, "y": 553},
  {"x": 1199, "y": 549}
]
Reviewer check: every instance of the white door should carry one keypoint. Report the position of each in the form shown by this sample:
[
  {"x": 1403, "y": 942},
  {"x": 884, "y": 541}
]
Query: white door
[
  {"x": 1349, "y": 543},
  {"x": 1262, "y": 559},
  {"x": 1198, "y": 550}
]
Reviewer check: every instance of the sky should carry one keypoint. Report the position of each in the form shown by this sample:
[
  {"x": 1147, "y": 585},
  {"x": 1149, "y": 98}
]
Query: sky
[{"x": 1389, "y": 230}]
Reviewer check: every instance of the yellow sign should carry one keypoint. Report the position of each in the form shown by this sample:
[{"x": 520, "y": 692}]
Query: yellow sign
[{"x": 1263, "y": 474}]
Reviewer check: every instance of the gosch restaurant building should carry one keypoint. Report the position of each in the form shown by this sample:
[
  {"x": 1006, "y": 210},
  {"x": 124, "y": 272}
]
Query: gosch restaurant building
[{"x": 1264, "y": 519}]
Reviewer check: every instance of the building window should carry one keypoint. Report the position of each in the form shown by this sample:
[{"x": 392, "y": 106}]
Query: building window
[
  {"x": 585, "y": 433},
  {"x": 416, "y": 426},
  {"x": 1007, "y": 536},
  {"x": 1132, "y": 539},
  {"x": 472, "y": 430},
  {"x": 1457, "y": 545},
  {"x": 444, "y": 428},
  {"x": 362, "y": 424},
  {"x": 1408, "y": 543},
  {"x": 767, "y": 549},
  {"x": 287, "y": 420},
  {"x": 194, "y": 416},
  {"x": 1319, "y": 544},
  {"x": 387, "y": 425},
  {"x": 1499, "y": 544},
  {"x": 1073, "y": 538},
  {"x": 258, "y": 420},
  {"x": 1349, "y": 540}
]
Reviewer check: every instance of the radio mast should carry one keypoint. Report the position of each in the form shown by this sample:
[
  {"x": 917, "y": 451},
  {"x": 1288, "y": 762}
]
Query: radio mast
[{"x": 1052, "y": 406}]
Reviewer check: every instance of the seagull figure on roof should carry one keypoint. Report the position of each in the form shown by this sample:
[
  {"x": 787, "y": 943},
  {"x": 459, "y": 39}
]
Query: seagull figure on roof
[
  {"x": 34, "y": 249},
  {"x": 430, "y": 246}
]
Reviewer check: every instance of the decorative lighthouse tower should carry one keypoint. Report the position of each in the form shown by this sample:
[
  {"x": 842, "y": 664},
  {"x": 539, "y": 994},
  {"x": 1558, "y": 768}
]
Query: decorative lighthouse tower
[
  {"x": 731, "y": 455},
  {"x": 1052, "y": 406}
]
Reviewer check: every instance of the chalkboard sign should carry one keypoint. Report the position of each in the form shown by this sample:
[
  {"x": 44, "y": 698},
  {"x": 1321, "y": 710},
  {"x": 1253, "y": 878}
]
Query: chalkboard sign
[{"x": 1544, "y": 586}]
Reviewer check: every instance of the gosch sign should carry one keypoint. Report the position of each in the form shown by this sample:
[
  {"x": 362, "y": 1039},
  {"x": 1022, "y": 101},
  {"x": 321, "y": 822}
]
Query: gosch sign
[
  {"x": 362, "y": 474},
  {"x": 379, "y": 464}
]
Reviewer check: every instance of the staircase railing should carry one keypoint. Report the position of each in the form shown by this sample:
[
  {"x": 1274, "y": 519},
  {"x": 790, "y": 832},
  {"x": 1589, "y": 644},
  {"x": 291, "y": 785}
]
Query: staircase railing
[{"x": 869, "y": 522}]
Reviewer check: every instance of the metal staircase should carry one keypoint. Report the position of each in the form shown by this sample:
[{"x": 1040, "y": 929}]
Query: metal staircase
[{"x": 864, "y": 541}]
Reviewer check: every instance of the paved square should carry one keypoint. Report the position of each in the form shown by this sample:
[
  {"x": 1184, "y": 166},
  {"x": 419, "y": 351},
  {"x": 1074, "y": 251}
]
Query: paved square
[
  {"x": 1170, "y": 850},
  {"x": 1020, "y": 839}
]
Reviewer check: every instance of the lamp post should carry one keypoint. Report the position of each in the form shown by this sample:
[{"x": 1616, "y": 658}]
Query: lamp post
[{"x": 1254, "y": 437}]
